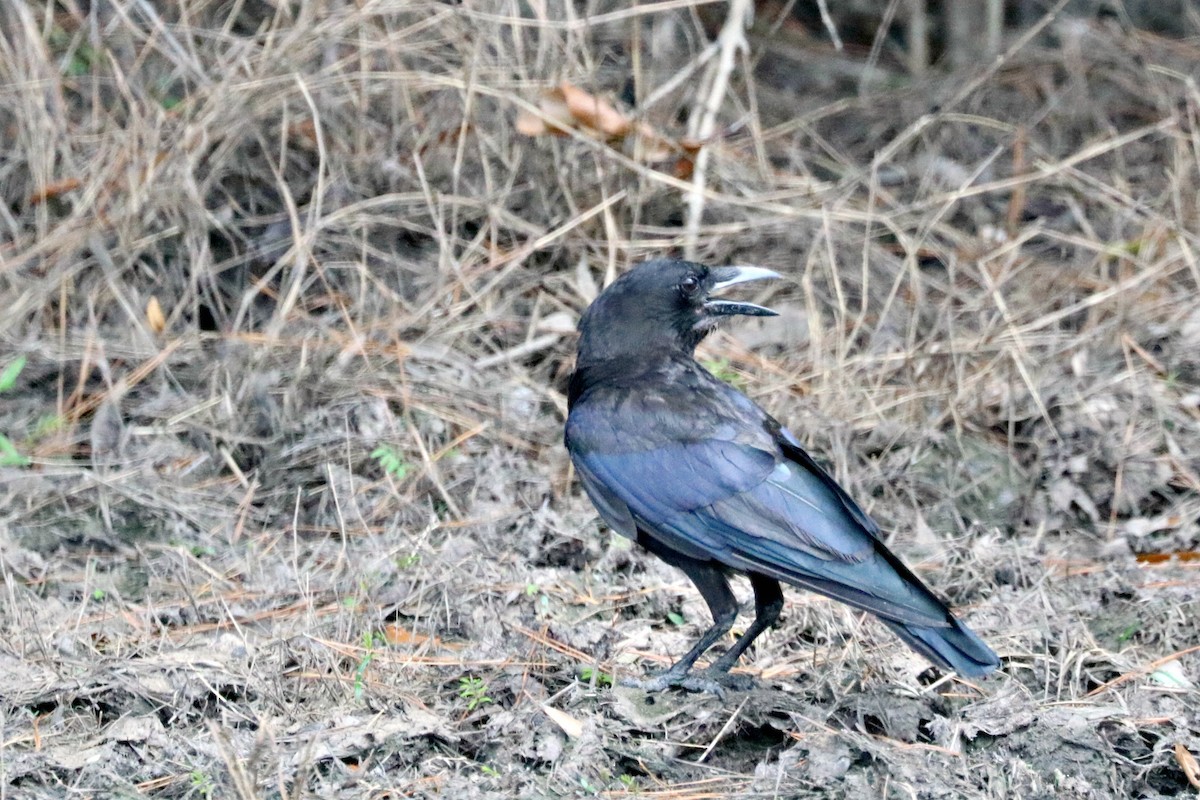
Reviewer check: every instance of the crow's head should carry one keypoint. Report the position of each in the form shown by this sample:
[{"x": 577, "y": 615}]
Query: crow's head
[{"x": 660, "y": 305}]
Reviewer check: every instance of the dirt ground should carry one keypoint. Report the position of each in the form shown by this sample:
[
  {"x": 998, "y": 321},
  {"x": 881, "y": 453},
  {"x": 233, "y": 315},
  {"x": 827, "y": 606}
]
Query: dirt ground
[{"x": 287, "y": 298}]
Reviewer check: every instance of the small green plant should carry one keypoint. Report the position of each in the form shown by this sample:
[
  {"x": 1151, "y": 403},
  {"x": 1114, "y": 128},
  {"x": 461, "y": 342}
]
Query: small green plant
[
  {"x": 1129, "y": 632},
  {"x": 9, "y": 375},
  {"x": 390, "y": 461},
  {"x": 474, "y": 691},
  {"x": 489, "y": 770},
  {"x": 47, "y": 425},
  {"x": 541, "y": 600},
  {"x": 370, "y": 641},
  {"x": 202, "y": 782},
  {"x": 9, "y": 455},
  {"x": 675, "y": 618},
  {"x": 628, "y": 781},
  {"x": 81, "y": 62},
  {"x": 98, "y": 595},
  {"x": 602, "y": 678},
  {"x": 409, "y": 561},
  {"x": 75, "y": 61},
  {"x": 166, "y": 97}
]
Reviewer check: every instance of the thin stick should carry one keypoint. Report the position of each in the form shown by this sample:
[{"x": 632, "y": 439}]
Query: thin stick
[
  {"x": 731, "y": 39},
  {"x": 721, "y": 733}
]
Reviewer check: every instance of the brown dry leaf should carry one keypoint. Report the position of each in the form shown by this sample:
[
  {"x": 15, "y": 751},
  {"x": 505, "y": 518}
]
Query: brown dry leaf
[
  {"x": 569, "y": 106},
  {"x": 555, "y": 118},
  {"x": 572, "y": 727},
  {"x": 659, "y": 149},
  {"x": 304, "y": 136},
  {"x": 683, "y": 169},
  {"x": 655, "y": 148},
  {"x": 154, "y": 315},
  {"x": 592, "y": 112},
  {"x": 1188, "y": 763},
  {"x": 530, "y": 125},
  {"x": 398, "y": 635}
]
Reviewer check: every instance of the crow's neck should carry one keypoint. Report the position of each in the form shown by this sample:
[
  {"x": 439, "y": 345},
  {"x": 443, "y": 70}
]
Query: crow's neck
[{"x": 643, "y": 368}]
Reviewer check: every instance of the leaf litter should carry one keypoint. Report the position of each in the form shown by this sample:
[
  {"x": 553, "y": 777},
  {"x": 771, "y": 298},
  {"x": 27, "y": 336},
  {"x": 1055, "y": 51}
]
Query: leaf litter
[{"x": 293, "y": 319}]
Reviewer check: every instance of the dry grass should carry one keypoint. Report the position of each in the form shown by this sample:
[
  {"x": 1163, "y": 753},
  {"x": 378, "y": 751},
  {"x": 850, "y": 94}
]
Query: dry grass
[{"x": 214, "y": 587}]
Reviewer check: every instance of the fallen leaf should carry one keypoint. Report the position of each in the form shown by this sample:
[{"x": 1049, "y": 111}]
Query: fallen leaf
[
  {"x": 555, "y": 118},
  {"x": 592, "y": 112},
  {"x": 154, "y": 315},
  {"x": 399, "y": 635},
  {"x": 565, "y": 107},
  {"x": 572, "y": 727},
  {"x": 1188, "y": 763},
  {"x": 396, "y": 634},
  {"x": 1171, "y": 674}
]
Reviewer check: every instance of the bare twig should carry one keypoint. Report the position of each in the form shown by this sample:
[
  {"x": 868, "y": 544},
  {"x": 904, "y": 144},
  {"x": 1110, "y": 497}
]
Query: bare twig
[{"x": 731, "y": 39}]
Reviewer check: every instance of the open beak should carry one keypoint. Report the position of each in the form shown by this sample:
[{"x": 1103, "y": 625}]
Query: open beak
[{"x": 731, "y": 276}]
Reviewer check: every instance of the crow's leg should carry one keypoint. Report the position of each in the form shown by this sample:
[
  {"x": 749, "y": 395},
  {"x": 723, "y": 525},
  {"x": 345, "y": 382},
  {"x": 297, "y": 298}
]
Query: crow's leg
[
  {"x": 709, "y": 578},
  {"x": 768, "y": 604}
]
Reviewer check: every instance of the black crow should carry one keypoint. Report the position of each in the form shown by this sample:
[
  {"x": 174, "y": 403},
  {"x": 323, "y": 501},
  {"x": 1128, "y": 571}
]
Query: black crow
[{"x": 699, "y": 475}]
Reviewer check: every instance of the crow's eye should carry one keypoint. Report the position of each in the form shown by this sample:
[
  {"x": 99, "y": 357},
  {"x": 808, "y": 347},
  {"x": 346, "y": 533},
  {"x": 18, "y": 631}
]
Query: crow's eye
[{"x": 689, "y": 285}]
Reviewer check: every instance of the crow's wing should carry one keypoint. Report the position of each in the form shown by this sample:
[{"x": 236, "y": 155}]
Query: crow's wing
[
  {"x": 655, "y": 489},
  {"x": 750, "y": 499}
]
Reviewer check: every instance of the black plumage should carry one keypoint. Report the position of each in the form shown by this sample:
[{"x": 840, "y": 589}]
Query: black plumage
[{"x": 698, "y": 474}]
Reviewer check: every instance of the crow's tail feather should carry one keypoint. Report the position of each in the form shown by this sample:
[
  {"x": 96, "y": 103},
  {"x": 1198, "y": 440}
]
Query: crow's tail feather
[{"x": 954, "y": 648}]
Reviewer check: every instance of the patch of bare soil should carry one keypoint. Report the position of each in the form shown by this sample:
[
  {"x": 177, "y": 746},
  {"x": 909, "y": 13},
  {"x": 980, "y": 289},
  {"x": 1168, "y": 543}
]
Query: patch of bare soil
[{"x": 287, "y": 294}]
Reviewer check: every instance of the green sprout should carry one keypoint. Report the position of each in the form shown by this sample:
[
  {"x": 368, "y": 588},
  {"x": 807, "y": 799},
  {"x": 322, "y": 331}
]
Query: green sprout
[
  {"x": 602, "y": 678},
  {"x": 9, "y": 455},
  {"x": 9, "y": 375},
  {"x": 390, "y": 461},
  {"x": 371, "y": 641},
  {"x": 474, "y": 691},
  {"x": 202, "y": 782}
]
